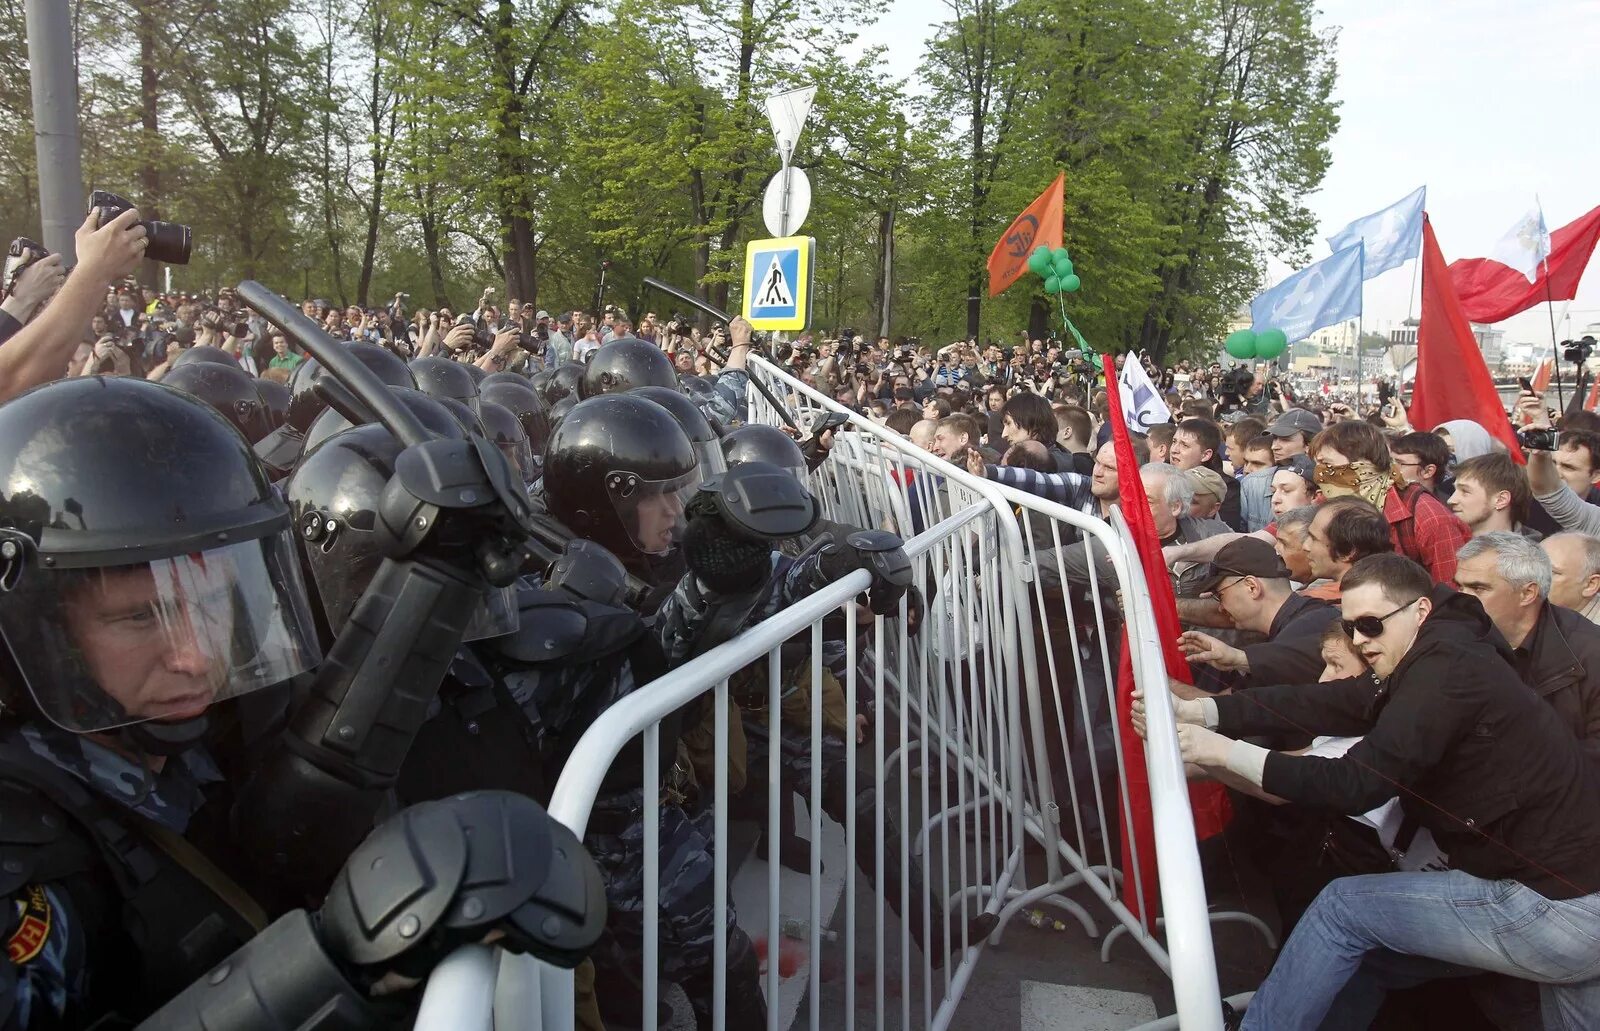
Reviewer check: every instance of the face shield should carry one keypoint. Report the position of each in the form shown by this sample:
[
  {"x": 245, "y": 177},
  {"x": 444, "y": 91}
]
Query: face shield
[
  {"x": 106, "y": 647},
  {"x": 520, "y": 454},
  {"x": 709, "y": 459},
  {"x": 495, "y": 616},
  {"x": 651, "y": 511}
]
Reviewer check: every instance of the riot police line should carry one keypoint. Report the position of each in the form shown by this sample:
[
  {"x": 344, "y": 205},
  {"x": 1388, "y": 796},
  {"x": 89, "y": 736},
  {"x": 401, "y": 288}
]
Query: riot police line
[{"x": 280, "y": 699}]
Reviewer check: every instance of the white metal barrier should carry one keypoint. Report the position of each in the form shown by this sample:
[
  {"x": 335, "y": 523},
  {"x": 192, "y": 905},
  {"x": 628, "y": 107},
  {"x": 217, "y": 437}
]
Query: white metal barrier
[
  {"x": 964, "y": 763},
  {"x": 1078, "y": 774}
]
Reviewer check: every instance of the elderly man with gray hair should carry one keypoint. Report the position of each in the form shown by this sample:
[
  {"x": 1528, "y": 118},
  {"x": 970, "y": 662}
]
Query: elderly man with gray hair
[
  {"x": 1555, "y": 650},
  {"x": 1575, "y": 572}
]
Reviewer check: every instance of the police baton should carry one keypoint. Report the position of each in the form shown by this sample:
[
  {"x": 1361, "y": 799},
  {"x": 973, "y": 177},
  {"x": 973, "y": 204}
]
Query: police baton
[{"x": 724, "y": 318}]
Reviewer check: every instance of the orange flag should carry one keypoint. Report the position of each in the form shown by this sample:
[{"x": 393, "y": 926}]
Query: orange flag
[{"x": 1039, "y": 224}]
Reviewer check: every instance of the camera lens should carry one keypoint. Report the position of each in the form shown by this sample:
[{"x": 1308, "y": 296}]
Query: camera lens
[{"x": 169, "y": 242}]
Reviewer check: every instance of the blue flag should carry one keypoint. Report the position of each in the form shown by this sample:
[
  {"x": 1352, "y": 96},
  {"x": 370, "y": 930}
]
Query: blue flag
[
  {"x": 1392, "y": 235},
  {"x": 1320, "y": 294}
]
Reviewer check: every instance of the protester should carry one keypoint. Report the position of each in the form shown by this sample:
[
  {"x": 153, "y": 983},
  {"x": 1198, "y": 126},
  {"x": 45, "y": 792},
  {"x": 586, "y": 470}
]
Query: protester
[
  {"x": 1554, "y": 650},
  {"x": 1423, "y": 459},
  {"x": 1252, "y": 584},
  {"x": 1517, "y": 810},
  {"x": 1491, "y": 494},
  {"x": 1575, "y": 573}
]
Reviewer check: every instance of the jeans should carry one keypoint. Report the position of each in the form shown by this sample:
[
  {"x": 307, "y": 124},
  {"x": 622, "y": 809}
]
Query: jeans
[{"x": 1363, "y": 928}]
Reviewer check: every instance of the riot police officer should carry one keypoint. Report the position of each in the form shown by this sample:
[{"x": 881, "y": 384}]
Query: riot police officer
[{"x": 151, "y": 593}]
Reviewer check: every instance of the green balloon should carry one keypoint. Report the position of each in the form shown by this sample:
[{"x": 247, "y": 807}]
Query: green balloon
[
  {"x": 1039, "y": 261},
  {"x": 1270, "y": 343},
  {"x": 1052, "y": 285},
  {"x": 1065, "y": 268},
  {"x": 1241, "y": 344},
  {"x": 1058, "y": 255},
  {"x": 1070, "y": 283}
]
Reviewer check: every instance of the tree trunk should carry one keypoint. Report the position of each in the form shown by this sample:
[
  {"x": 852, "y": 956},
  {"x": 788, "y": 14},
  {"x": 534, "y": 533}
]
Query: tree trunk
[
  {"x": 883, "y": 282},
  {"x": 330, "y": 217},
  {"x": 430, "y": 246}
]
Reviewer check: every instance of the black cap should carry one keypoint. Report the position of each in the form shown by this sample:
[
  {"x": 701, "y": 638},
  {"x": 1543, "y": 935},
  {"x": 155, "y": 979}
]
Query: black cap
[{"x": 1248, "y": 556}]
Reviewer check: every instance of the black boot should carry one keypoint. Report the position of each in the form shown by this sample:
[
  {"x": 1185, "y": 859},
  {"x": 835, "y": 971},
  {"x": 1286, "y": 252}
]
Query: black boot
[
  {"x": 794, "y": 852},
  {"x": 745, "y": 1007}
]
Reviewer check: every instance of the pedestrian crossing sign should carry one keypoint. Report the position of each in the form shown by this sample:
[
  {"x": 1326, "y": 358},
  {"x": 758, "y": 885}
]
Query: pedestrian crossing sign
[{"x": 777, "y": 282}]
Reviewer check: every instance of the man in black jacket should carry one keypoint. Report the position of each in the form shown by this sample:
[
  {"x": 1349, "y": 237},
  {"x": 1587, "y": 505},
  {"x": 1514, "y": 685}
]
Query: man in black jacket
[
  {"x": 1476, "y": 758},
  {"x": 1555, "y": 650}
]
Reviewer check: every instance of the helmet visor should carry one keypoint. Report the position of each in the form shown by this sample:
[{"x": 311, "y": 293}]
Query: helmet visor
[
  {"x": 520, "y": 455},
  {"x": 708, "y": 456},
  {"x": 163, "y": 640},
  {"x": 495, "y": 616},
  {"x": 652, "y": 511}
]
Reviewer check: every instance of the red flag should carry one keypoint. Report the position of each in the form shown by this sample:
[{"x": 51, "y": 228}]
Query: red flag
[
  {"x": 1039, "y": 224},
  {"x": 1491, "y": 292},
  {"x": 1208, "y": 800},
  {"x": 1452, "y": 380},
  {"x": 1594, "y": 396}
]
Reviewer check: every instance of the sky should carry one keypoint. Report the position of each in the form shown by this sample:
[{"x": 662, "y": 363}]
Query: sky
[{"x": 1487, "y": 103}]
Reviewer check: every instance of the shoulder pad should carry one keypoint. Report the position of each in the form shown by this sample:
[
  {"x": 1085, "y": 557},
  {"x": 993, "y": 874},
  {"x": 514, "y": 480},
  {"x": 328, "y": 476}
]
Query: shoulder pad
[
  {"x": 30, "y": 826},
  {"x": 554, "y": 626}
]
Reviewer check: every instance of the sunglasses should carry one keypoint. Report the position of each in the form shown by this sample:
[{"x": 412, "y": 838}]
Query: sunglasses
[{"x": 1371, "y": 626}]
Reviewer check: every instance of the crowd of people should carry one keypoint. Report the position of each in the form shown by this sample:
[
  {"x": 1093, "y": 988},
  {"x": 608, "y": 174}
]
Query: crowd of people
[{"x": 1393, "y": 630}]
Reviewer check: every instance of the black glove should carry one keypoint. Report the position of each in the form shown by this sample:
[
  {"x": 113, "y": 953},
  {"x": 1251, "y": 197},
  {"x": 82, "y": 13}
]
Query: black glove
[
  {"x": 726, "y": 562},
  {"x": 443, "y": 874},
  {"x": 879, "y": 552}
]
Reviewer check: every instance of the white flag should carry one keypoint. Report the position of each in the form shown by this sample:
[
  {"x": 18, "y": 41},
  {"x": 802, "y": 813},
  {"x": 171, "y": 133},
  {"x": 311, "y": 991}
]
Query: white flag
[
  {"x": 1525, "y": 245},
  {"x": 1142, "y": 406}
]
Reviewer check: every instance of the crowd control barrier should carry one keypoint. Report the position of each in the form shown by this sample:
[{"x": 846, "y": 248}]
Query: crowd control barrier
[{"x": 987, "y": 700}]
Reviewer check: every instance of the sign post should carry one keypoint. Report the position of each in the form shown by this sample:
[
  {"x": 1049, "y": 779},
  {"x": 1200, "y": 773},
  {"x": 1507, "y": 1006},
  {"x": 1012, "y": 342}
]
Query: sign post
[{"x": 788, "y": 196}]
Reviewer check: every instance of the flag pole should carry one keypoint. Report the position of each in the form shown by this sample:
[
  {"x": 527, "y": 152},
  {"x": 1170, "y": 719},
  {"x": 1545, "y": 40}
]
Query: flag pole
[
  {"x": 1550, "y": 306},
  {"x": 1555, "y": 346}
]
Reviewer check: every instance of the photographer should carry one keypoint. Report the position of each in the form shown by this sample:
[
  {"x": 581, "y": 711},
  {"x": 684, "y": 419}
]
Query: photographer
[
  {"x": 43, "y": 348},
  {"x": 1550, "y": 489}
]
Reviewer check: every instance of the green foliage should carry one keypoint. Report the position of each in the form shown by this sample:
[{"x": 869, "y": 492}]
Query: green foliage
[{"x": 366, "y": 147}]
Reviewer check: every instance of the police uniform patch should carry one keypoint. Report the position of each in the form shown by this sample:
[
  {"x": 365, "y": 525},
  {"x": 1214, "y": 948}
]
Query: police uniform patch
[{"x": 33, "y": 928}]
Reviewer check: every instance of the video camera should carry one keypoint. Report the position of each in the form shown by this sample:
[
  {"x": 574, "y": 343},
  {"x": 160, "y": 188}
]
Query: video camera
[
  {"x": 1577, "y": 351},
  {"x": 169, "y": 242}
]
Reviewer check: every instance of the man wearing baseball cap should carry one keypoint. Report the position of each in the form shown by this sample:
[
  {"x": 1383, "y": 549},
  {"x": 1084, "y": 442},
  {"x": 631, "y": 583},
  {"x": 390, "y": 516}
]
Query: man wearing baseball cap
[
  {"x": 1292, "y": 432},
  {"x": 1252, "y": 585},
  {"x": 1209, "y": 491}
]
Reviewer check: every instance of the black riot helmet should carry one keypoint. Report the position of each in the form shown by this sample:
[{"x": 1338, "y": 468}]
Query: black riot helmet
[
  {"x": 619, "y": 471},
  {"x": 334, "y": 496},
  {"x": 275, "y": 398},
  {"x": 230, "y": 390},
  {"x": 503, "y": 376},
  {"x": 525, "y": 404},
  {"x": 204, "y": 353},
  {"x": 478, "y": 374},
  {"x": 757, "y": 443},
  {"x": 439, "y": 420},
  {"x": 625, "y": 364},
  {"x": 441, "y": 377},
  {"x": 563, "y": 382},
  {"x": 305, "y": 406},
  {"x": 147, "y": 567},
  {"x": 707, "y": 446},
  {"x": 504, "y": 430}
]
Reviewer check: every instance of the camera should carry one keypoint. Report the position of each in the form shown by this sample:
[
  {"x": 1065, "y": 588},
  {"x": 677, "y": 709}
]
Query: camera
[
  {"x": 480, "y": 337},
  {"x": 1237, "y": 380},
  {"x": 1537, "y": 438},
  {"x": 23, "y": 252},
  {"x": 168, "y": 241},
  {"x": 1575, "y": 351}
]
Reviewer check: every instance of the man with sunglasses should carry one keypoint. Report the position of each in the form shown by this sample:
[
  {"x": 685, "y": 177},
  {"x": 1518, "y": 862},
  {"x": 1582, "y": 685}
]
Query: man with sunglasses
[
  {"x": 1493, "y": 773},
  {"x": 1252, "y": 585}
]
